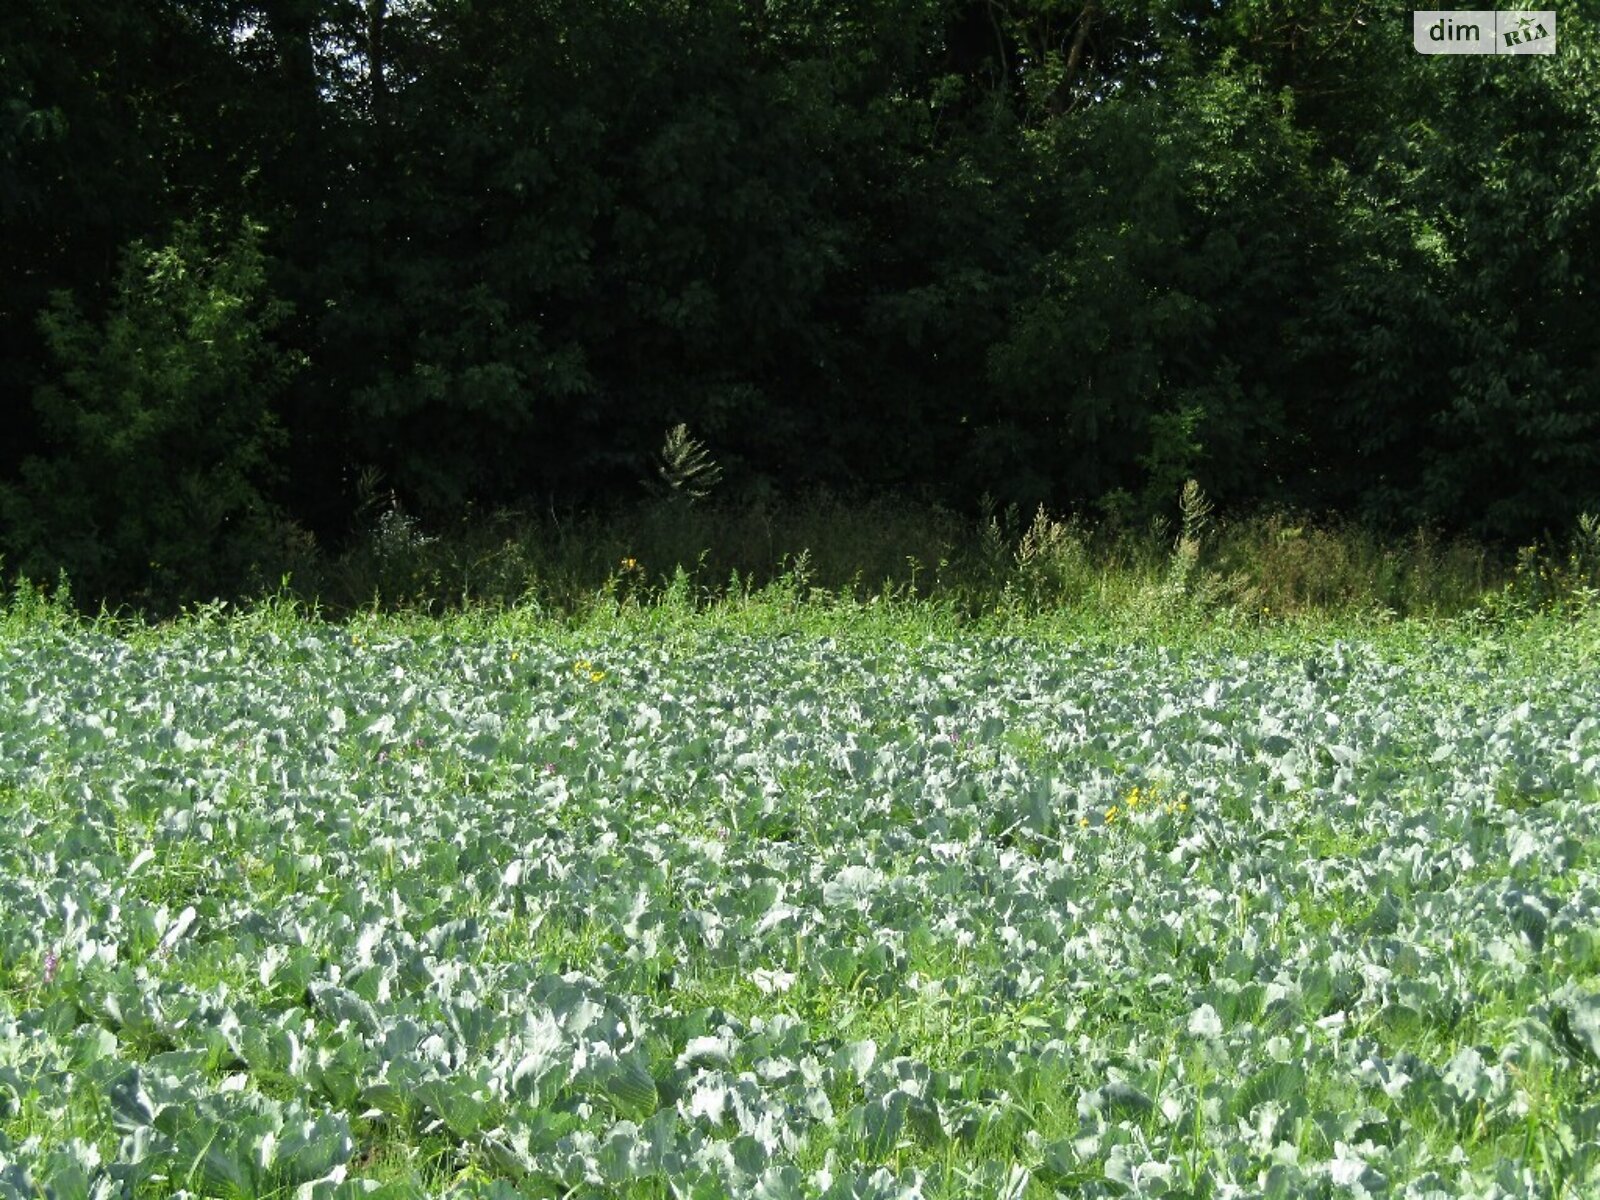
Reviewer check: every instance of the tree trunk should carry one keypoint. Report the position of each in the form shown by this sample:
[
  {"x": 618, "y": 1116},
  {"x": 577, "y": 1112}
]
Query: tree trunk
[
  {"x": 1080, "y": 38},
  {"x": 377, "y": 14}
]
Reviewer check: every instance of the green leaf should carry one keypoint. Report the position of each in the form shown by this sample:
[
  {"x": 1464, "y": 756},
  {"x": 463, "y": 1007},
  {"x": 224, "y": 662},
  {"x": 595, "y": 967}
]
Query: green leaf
[
  {"x": 1277, "y": 1082},
  {"x": 1115, "y": 1101},
  {"x": 1578, "y": 1023},
  {"x": 631, "y": 1086}
]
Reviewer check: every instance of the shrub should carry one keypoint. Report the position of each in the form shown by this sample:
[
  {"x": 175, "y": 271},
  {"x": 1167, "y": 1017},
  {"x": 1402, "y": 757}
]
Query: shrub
[{"x": 159, "y": 425}]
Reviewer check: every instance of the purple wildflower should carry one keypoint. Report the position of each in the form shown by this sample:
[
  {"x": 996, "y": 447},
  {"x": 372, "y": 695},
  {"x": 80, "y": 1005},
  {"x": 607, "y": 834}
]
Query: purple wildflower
[{"x": 51, "y": 965}]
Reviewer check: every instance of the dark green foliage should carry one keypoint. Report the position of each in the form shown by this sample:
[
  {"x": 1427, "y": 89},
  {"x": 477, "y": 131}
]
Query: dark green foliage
[
  {"x": 1069, "y": 254},
  {"x": 1150, "y": 349},
  {"x": 1466, "y": 217},
  {"x": 106, "y": 111},
  {"x": 158, "y": 430}
]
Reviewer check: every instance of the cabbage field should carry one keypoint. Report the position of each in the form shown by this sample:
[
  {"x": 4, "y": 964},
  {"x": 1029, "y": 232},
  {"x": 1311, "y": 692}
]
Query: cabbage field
[{"x": 396, "y": 911}]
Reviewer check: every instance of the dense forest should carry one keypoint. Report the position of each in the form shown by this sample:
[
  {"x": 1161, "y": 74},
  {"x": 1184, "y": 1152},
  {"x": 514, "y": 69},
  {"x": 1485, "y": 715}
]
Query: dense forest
[{"x": 261, "y": 258}]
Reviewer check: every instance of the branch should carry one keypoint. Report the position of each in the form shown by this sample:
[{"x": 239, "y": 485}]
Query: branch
[
  {"x": 1079, "y": 40},
  {"x": 999, "y": 41}
]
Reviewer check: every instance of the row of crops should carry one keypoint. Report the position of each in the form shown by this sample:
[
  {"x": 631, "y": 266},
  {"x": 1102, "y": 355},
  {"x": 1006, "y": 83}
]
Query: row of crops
[{"x": 331, "y": 912}]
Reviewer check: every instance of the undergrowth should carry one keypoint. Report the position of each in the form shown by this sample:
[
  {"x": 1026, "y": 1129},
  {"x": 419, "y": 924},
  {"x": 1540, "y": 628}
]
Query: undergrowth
[{"x": 827, "y": 565}]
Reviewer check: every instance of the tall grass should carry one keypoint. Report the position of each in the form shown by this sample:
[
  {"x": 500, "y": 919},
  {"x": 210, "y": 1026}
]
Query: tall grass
[
  {"x": 680, "y": 555},
  {"x": 829, "y": 547}
]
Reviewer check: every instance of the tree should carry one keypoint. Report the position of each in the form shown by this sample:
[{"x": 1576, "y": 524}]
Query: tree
[{"x": 159, "y": 425}]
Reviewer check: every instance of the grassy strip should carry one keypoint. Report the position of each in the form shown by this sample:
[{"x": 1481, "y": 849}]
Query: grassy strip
[{"x": 953, "y": 570}]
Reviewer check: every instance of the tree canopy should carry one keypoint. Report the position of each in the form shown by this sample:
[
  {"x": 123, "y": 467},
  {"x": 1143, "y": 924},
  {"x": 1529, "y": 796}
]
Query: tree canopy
[{"x": 1069, "y": 252}]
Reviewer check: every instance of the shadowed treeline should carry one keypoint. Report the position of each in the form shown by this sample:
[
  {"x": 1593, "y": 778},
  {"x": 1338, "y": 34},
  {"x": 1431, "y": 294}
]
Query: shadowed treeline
[{"x": 262, "y": 263}]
